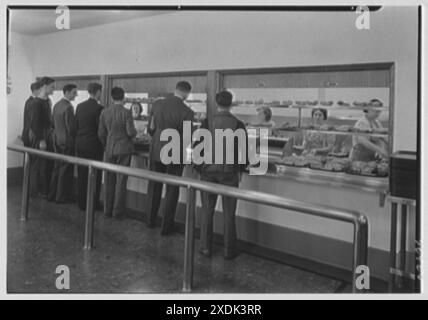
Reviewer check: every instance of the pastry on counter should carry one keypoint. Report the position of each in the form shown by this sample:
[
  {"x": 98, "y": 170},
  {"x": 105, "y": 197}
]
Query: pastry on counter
[
  {"x": 326, "y": 103},
  {"x": 301, "y": 103},
  {"x": 343, "y": 104}
]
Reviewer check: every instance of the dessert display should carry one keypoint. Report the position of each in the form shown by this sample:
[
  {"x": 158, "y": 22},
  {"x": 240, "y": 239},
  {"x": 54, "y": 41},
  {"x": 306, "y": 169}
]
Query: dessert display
[{"x": 337, "y": 131}]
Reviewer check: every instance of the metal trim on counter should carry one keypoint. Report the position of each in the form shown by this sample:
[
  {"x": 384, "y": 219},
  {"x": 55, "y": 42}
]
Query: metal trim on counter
[{"x": 336, "y": 179}]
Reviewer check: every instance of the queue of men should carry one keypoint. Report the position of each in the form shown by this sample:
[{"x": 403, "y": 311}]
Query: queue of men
[{"x": 97, "y": 133}]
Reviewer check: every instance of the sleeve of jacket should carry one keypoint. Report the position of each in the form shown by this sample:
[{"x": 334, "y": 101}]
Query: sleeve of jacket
[
  {"x": 151, "y": 124},
  {"x": 130, "y": 127},
  {"x": 102, "y": 130}
]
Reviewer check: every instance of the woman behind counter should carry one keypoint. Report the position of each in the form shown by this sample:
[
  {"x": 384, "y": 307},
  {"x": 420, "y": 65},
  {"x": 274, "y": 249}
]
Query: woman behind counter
[
  {"x": 315, "y": 143},
  {"x": 264, "y": 117},
  {"x": 369, "y": 149},
  {"x": 139, "y": 121}
]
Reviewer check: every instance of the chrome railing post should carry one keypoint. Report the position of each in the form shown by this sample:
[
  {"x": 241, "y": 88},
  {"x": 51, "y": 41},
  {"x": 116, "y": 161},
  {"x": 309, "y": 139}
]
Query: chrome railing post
[
  {"x": 25, "y": 187},
  {"x": 360, "y": 249},
  {"x": 89, "y": 222},
  {"x": 189, "y": 245}
]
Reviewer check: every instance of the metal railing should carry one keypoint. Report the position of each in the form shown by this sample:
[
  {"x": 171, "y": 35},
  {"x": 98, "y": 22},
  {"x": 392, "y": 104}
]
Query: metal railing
[{"x": 357, "y": 219}]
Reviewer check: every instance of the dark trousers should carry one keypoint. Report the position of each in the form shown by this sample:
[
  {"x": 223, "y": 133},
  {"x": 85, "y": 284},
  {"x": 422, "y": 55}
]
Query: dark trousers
[
  {"x": 92, "y": 153},
  {"x": 49, "y": 164},
  {"x": 115, "y": 186},
  {"x": 38, "y": 183},
  {"x": 209, "y": 201},
  {"x": 171, "y": 196},
  {"x": 61, "y": 184}
]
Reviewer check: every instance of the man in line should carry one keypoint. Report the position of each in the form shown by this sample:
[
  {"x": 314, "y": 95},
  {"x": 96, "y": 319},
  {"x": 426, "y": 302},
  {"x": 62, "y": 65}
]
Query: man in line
[
  {"x": 168, "y": 113},
  {"x": 37, "y": 140},
  {"x": 61, "y": 184},
  {"x": 227, "y": 174},
  {"x": 116, "y": 130},
  {"x": 35, "y": 90},
  {"x": 88, "y": 145},
  {"x": 48, "y": 124}
]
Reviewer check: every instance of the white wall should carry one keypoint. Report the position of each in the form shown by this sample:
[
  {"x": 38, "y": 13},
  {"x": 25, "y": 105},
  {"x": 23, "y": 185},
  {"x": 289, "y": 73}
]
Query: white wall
[
  {"x": 218, "y": 40},
  {"x": 22, "y": 75}
]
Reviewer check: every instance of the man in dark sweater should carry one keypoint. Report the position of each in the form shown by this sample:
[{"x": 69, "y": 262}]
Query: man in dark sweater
[
  {"x": 35, "y": 90},
  {"x": 48, "y": 165},
  {"x": 37, "y": 123},
  {"x": 168, "y": 113},
  {"x": 88, "y": 145}
]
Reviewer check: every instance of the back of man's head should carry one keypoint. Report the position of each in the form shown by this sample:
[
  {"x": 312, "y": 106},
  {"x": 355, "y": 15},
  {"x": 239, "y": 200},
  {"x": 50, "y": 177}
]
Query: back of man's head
[
  {"x": 68, "y": 87},
  {"x": 183, "y": 86},
  {"x": 46, "y": 81},
  {"x": 35, "y": 86},
  {"x": 93, "y": 88},
  {"x": 117, "y": 94},
  {"x": 224, "y": 99}
]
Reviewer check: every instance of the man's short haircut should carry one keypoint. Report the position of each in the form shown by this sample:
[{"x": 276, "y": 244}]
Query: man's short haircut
[
  {"x": 183, "y": 86},
  {"x": 117, "y": 94},
  {"x": 68, "y": 88},
  {"x": 224, "y": 98},
  {"x": 94, "y": 87},
  {"x": 46, "y": 81},
  {"x": 35, "y": 86}
]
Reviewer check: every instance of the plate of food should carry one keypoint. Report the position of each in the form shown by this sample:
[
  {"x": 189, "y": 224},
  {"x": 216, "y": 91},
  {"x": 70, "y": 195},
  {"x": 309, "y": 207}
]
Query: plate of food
[
  {"x": 343, "y": 103},
  {"x": 326, "y": 103},
  {"x": 363, "y": 168}
]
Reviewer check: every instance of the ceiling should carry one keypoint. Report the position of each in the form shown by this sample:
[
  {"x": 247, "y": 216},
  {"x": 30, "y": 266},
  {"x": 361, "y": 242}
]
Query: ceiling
[{"x": 42, "y": 21}]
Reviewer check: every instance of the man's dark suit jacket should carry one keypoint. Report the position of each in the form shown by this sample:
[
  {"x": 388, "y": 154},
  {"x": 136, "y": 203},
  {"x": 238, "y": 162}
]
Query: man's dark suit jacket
[
  {"x": 37, "y": 121},
  {"x": 26, "y": 125},
  {"x": 64, "y": 124},
  {"x": 168, "y": 113},
  {"x": 87, "y": 120}
]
